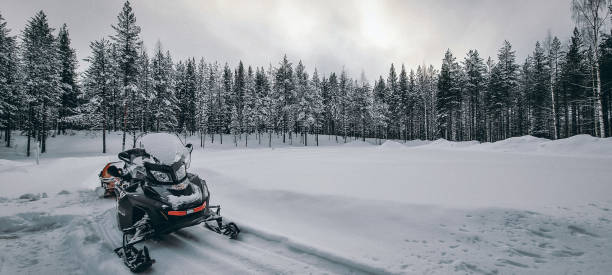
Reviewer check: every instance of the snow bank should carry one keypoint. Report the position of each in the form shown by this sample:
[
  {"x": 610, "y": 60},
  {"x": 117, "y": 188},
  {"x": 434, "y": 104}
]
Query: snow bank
[
  {"x": 392, "y": 145},
  {"x": 357, "y": 143},
  {"x": 576, "y": 145},
  {"x": 443, "y": 143}
]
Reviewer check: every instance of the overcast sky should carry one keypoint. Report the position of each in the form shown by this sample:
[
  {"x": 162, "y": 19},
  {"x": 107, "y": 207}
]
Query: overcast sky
[{"x": 359, "y": 35}]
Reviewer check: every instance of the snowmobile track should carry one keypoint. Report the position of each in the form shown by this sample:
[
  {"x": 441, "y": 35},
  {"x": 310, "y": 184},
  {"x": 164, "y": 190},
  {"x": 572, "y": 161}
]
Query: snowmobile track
[{"x": 196, "y": 248}]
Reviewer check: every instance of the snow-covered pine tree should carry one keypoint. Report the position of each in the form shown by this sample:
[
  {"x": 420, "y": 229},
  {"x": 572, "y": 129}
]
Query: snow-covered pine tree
[
  {"x": 574, "y": 85},
  {"x": 363, "y": 102},
  {"x": 475, "y": 85},
  {"x": 97, "y": 83},
  {"x": 143, "y": 111},
  {"x": 285, "y": 94},
  {"x": 404, "y": 103},
  {"x": 249, "y": 111},
  {"x": 227, "y": 102},
  {"x": 202, "y": 100},
  {"x": 128, "y": 43},
  {"x": 316, "y": 105},
  {"x": 215, "y": 91},
  {"x": 41, "y": 69},
  {"x": 448, "y": 97},
  {"x": 541, "y": 93},
  {"x": 190, "y": 96},
  {"x": 302, "y": 91},
  {"x": 239, "y": 91},
  {"x": 345, "y": 90},
  {"x": 162, "y": 98},
  {"x": 10, "y": 90},
  {"x": 413, "y": 103},
  {"x": 330, "y": 97},
  {"x": 525, "y": 91},
  {"x": 265, "y": 108},
  {"x": 68, "y": 78},
  {"x": 235, "y": 124},
  {"x": 506, "y": 90},
  {"x": 392, "y": 100},
  {"x": 181, "y": 96},
  {"x": 380, "y": 107}
]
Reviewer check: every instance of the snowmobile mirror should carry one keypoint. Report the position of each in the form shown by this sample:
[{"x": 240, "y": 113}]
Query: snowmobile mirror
[
  {"x": 113, "y": 171},
  {"x": 189, "y": 146}
]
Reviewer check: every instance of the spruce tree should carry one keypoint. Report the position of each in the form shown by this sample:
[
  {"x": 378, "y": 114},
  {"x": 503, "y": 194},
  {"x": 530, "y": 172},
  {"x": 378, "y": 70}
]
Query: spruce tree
[
  {"x": 98, "y": 83},
  {"x": 475, "y": 84},
  {"x": 448, "y": 96},
  {"x": 70, "y": 90},
  {"x": 128, "y": 43},
  {"x": 10, "y": 92},
  {"x": 285, "y": 93},
  {"x": 41, "y": 69},
  {"x": 541, "y": 93}
]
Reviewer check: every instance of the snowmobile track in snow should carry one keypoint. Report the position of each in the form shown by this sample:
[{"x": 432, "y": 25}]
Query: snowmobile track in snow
[{"x": 196, "y": 248}]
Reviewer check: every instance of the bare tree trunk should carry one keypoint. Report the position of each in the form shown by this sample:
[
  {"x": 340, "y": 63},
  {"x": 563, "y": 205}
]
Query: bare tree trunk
[
  {"x": 124, "y": 125},
  {"x": 598, "y": 106}
]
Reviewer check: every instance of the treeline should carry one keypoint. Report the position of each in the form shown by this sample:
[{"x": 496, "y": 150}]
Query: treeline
[{"x": 560, "y": 90}]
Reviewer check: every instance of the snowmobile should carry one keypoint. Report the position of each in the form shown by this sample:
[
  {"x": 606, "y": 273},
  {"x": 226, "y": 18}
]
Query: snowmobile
[
  {"x": 107, "y": 181},
  {"x": 157, "y": 196}
]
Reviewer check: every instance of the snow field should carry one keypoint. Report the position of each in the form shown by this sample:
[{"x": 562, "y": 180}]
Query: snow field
[{"x": 519, "y": 206}]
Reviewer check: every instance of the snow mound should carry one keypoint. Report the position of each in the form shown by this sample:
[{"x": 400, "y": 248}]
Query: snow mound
[
  {"x": 514, "y": 144},
  {"x": 581, "y": 144},
  {"x": 391, "y": 145},
  {"x": 357, "y": 143},
  {"x": 443, "y": 143},
  {"x": 416, "y": 142},
  {"x": 576, "y": 145}
]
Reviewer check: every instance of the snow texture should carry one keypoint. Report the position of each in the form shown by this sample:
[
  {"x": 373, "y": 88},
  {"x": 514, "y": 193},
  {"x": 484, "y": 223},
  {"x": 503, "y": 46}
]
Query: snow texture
[{"x": 518, "y": 206}]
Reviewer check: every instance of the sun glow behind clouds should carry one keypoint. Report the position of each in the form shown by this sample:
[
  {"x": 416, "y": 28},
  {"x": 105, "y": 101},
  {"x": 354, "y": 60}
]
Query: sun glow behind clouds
[
  {"x": 355, "y": 34},
  {"x": 375, "y": 28}
]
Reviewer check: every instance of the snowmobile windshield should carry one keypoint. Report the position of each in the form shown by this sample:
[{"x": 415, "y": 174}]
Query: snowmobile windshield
[{"x": 166, "y": 148}]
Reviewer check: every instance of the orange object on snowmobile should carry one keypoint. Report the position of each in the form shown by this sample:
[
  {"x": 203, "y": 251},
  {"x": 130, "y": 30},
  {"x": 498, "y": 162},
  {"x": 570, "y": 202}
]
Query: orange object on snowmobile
[{"x": 107, "y": 181}]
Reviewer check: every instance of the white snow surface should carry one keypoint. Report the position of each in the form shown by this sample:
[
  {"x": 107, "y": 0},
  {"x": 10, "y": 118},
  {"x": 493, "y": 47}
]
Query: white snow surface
[{"x": 519, "y": 206}]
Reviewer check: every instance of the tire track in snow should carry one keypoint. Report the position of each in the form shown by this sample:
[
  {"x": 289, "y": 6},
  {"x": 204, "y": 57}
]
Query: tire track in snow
[{"x": 198, "y": 249}]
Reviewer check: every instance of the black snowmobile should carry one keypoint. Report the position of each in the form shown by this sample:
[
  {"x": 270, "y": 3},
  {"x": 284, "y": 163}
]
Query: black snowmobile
[{"x": 158, "y": 196}]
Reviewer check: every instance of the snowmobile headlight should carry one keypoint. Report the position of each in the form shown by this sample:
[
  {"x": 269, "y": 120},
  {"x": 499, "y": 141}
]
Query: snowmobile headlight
[
  {"x": 161, "y": 176},
  {"x": 180, "y": 186},
  {"x": 181, "y": 172}
]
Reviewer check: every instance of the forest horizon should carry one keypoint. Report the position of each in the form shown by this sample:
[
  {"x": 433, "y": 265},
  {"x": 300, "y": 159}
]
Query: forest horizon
[{"x": 559, "y": 90}]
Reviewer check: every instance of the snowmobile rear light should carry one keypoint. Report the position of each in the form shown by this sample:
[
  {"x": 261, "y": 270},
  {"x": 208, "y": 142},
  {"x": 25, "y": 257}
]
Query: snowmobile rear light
[{"x": 187, "y": 212}]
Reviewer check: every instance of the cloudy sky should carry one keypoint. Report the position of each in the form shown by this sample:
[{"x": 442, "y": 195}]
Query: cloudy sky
[{"x": 357, "y": 35}]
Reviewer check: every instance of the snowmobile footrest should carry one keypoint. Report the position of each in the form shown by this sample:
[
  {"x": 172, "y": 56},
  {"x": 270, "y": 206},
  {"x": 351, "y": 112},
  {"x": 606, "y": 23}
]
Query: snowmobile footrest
[{"x": 137, "y": 260}]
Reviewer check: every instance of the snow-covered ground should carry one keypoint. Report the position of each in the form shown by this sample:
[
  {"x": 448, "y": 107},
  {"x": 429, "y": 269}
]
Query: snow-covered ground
[{"x": 518, "y": 206}]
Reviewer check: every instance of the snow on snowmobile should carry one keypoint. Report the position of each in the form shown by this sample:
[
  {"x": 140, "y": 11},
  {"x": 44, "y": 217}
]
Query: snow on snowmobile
[{"x": 158, "y": 196}]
